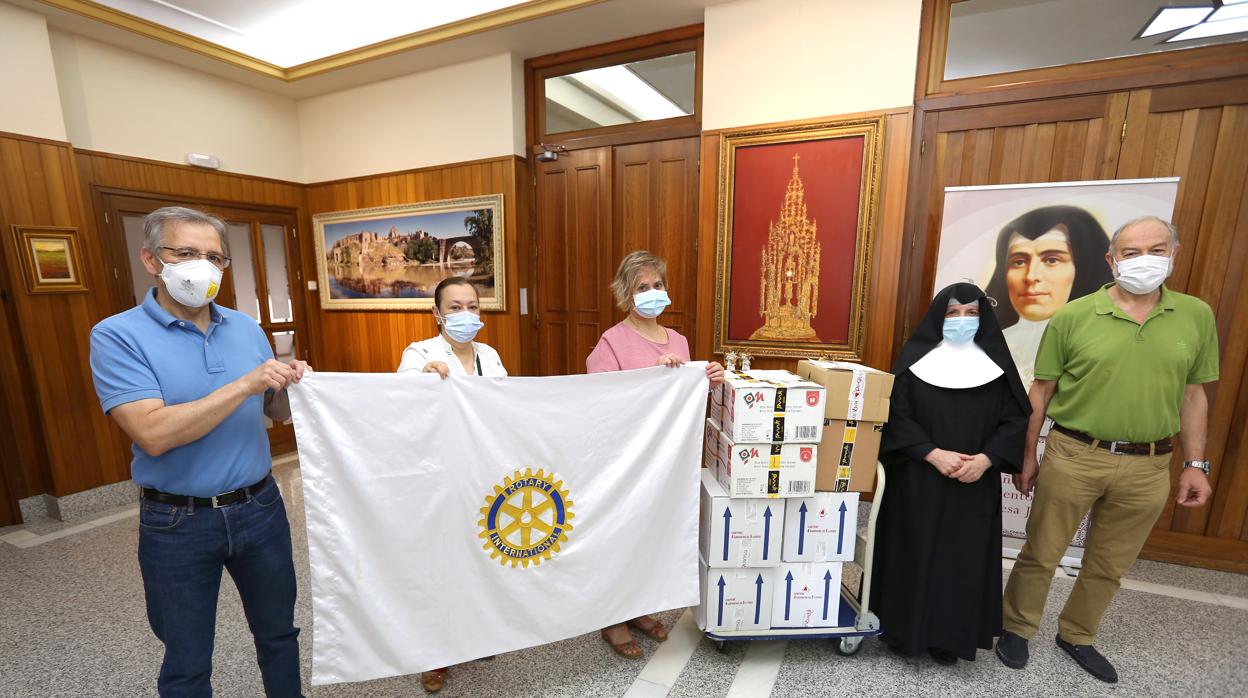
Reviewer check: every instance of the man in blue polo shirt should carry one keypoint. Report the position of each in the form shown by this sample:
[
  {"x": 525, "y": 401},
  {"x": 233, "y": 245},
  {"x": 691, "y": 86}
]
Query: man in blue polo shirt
[{"x": 190, "y": 382}]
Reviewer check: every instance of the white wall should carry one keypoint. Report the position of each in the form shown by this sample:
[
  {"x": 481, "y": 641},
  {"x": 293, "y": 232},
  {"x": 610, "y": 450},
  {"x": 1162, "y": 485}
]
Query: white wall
[
  {"x": 466, "y": 111},
  {"x": 126, "y": 103},
  {"x": 781, "y": 60},
  {"x": 30, "y": 105}
]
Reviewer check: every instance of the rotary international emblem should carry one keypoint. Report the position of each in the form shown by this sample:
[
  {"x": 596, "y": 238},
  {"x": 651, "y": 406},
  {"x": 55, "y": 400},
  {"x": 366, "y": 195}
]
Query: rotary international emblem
[{"x": 526, "y": 519}]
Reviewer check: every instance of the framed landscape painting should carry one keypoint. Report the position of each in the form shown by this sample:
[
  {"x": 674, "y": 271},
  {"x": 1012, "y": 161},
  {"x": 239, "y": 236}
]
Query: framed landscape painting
[
  {"x": 51, "y": 260},
  {"x": 797, "y": 214},
  {"x": 392, "y": 258}
]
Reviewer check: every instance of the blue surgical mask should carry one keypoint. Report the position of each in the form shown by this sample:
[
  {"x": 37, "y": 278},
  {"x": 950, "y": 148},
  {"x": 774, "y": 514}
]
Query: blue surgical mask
[
  {"x": 651, "y": 303},
  {"x": 960, "y": 330},
  {"x": 462, "y": 326}
]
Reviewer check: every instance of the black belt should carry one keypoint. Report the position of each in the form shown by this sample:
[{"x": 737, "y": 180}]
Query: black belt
[
  {"x": 224, "y": 499},
  {"x": 1126, "y": 448}
]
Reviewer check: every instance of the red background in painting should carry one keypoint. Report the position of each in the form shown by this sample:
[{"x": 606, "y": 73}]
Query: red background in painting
[{"x": 831, "y": 169}]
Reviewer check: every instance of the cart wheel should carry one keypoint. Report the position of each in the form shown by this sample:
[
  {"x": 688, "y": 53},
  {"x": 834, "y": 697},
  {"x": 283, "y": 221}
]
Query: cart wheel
[
  {"x": 721, "y": 646},
  {"x": 848, "y": 646}
]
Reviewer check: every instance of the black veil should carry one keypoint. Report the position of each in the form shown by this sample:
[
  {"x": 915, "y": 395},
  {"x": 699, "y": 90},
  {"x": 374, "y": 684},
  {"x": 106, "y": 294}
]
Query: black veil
[{"x": 929, "y": 333}]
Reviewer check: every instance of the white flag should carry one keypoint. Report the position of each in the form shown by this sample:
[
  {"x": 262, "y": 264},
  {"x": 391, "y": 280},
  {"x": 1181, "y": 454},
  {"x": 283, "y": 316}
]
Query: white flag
[{"x": 454, "y": 519}]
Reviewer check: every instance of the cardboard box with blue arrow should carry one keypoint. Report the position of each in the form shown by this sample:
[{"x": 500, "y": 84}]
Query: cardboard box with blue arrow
[
  {"x": 822, "y": 528},
  {"x": 806, "y": 595},
  {"x": 739, "y": 532},
  {"x": 735, "y": 599}
]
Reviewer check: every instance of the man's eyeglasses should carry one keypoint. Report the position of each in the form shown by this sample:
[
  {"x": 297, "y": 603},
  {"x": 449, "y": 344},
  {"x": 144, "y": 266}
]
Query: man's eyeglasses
[{"x": 186, "y": 254}]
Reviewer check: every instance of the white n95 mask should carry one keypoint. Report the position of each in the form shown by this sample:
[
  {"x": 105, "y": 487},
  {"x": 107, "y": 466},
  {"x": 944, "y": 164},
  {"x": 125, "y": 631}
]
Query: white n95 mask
[{"x": 194, "y": 283}]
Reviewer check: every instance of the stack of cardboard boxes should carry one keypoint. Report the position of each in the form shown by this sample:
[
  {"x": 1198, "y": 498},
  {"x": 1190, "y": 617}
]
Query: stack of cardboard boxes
[{"x": 785, "y": 457}]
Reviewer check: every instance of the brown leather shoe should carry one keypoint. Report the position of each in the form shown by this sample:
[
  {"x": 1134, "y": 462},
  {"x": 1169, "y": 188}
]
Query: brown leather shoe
[{"x": 433, "y": 681}]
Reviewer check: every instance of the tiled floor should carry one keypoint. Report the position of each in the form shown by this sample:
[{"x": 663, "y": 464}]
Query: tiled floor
[{"x": 72, "y": 623}]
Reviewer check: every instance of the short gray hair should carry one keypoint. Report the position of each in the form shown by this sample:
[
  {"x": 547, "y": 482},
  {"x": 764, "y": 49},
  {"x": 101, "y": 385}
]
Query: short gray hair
[
  {"x": 1174, "y": 233},
  {"x": 154, "y": 226}
]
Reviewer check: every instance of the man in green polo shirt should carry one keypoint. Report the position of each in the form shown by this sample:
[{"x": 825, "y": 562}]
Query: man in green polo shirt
[{"x": 1121, "y": 372}]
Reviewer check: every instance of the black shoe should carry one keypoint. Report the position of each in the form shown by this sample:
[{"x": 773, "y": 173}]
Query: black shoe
[
  {"x": 1012, "y": 650},
  {"x": 943, "y": 656},
  {"x": 1092, "y": 661}
]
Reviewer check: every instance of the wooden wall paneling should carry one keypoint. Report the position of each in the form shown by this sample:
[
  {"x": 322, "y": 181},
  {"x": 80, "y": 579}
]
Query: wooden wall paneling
[
  {"x": 373, "y": 341},
  {"x": 1023, "y": 113},
  {"x": 703, "y": 337},
  {"x": 890, "y": 239},
  {"x": 23, "y": 456},
  {"x": 1135, "y": 141},
  {"x": 525, "y": 225},
  {"x": 926, "y": 144},
  {"x": 1215, "y": 273},
  {"x": 1228, "y": 509},
  {"x": 1213, "y": 93},
  {"x": 84, "y": 449}
]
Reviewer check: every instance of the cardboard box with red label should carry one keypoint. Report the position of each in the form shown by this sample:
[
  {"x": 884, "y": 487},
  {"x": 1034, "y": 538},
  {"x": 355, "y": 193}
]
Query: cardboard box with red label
[
  {"x": 770, "y": 407},
  {"x": 767, "y": 469}
]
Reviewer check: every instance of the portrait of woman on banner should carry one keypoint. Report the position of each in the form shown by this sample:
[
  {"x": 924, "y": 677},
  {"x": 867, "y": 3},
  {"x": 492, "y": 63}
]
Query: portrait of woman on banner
[{"x": 1045, "y": 258}]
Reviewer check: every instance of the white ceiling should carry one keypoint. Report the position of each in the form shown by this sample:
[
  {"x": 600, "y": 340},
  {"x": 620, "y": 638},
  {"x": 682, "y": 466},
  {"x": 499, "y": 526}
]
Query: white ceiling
[
  {"x": 599, "y": 23},
  {"x": 287, "y": 33}
]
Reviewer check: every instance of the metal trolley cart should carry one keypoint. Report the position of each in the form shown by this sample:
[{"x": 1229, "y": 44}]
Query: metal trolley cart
[{"x": 855, "y": 620}]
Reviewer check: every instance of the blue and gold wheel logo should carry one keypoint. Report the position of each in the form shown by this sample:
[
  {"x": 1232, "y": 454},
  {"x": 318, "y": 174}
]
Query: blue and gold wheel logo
[{"x": 526, "y": 519}]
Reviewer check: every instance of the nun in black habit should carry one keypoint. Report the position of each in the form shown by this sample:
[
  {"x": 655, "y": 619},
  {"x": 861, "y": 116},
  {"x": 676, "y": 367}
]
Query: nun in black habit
[{"x": 958, "y": 420}]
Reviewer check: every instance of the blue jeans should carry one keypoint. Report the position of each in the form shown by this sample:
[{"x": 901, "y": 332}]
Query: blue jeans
[{"x": 182, "y": 550}]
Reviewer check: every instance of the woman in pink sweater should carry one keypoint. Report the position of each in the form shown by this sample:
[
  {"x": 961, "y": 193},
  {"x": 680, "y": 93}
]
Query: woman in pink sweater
[{"x": 640, "y": 288}]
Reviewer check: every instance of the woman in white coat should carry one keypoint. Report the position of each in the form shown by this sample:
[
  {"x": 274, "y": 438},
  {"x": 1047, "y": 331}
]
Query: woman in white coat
[
  {"x": 456, "y": 309},
  {"x": 452, "y": 351}
]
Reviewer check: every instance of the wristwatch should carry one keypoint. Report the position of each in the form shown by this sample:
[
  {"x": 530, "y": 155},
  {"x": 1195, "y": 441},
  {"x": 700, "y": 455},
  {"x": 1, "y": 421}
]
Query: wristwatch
[{"x": 1203, "y": 465}]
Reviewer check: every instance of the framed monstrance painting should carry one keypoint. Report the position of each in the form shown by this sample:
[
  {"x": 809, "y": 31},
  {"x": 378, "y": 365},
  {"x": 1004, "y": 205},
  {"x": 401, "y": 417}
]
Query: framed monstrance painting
[{"x": 797, "y": 214}]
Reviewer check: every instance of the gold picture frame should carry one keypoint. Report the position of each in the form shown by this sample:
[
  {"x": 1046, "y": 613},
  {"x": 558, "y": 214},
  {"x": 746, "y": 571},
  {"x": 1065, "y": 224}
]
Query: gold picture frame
[
  {"x": 392, "y": 257},
  {"x": 795, "y": 238},
  {"x": 51, "y": 259}
]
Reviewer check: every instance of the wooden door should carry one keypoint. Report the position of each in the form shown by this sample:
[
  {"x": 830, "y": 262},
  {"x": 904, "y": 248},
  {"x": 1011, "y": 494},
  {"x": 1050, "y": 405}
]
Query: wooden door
[
  {"x": 1199, "y": 133},
  {"x": 574, "y": 257},
  {"x": 656, "y": 187},
  {"x": 593, "y": 207}
]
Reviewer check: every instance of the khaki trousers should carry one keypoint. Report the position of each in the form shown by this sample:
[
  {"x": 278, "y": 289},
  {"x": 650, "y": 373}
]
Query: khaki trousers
[{"x": 1126, "y": 495}]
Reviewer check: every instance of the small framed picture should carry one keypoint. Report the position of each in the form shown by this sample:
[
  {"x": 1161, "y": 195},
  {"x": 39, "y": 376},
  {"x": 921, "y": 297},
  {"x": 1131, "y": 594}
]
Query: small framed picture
[{"x": 51, "y": 259}]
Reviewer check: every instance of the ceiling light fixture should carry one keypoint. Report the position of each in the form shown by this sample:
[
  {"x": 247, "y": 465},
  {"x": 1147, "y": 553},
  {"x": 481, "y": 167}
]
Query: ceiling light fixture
[
  {"x": 1168, "y": 19},
  {"x": 1208, "y": 29},
  {"x": 1229, "y": 12}
]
